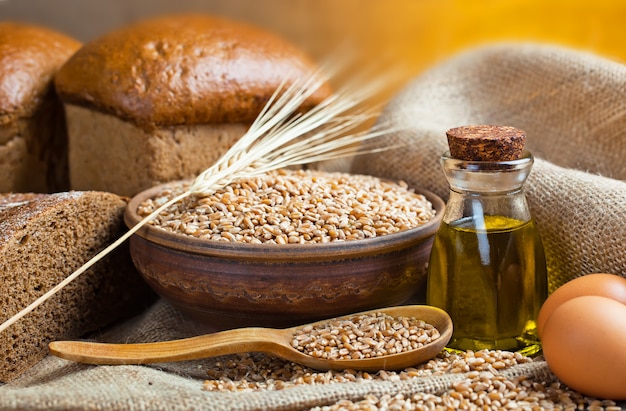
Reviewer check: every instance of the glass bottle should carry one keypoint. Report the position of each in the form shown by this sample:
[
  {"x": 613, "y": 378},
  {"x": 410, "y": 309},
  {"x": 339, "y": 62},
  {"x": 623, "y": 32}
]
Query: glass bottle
[{"x": 487, "y": 266}]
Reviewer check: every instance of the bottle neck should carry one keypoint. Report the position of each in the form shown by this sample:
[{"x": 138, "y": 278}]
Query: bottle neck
[
  {"x": 486, "y": 177},
  {"x": 480, "y": 188}
]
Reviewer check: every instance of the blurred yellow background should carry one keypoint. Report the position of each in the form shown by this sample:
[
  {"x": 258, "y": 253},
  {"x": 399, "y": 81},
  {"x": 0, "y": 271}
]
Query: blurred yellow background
[{"x": 415, "y": 34}]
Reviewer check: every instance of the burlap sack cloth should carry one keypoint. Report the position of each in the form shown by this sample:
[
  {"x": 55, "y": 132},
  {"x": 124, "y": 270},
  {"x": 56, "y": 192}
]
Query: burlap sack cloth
[{"x": 573, "y": 108}]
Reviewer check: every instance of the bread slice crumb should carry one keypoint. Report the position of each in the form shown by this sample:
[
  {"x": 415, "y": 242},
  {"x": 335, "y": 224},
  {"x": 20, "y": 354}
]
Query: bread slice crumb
[{"x": 43, "y": 239}]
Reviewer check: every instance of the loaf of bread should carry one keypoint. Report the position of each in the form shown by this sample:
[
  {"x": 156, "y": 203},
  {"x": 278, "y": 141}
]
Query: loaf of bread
[
  {"x": 43, "y": 239},
  {"x": 33, "y": 136},
  {"x": 164, "y": 98}
]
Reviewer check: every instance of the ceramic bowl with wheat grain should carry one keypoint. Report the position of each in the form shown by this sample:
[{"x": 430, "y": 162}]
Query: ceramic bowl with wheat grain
[{"x": 205, "y": 261}]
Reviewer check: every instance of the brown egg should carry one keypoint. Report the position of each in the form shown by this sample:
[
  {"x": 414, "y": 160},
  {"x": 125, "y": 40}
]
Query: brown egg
[
  {"x": 584, "y": 344},
  {"x": 604, "y": 285}
]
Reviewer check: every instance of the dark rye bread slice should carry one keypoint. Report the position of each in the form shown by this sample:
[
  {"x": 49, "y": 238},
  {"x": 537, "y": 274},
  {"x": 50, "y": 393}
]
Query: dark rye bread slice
[{"x": 43, "y": 239}]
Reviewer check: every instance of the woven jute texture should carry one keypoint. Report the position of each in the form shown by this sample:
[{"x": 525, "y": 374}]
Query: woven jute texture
[
  {"x": 56, "y": 384},
  {"x": 572, "y": 106}
]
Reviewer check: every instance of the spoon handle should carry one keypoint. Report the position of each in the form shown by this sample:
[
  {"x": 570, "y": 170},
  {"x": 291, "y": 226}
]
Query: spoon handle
[{"x": 203, "y": 346}]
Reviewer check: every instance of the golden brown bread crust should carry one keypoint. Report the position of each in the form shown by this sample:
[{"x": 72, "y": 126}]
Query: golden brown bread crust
[
  {"x": 33, "y": 135},
  {"x": 183, "y": 69},
  {"x": 29, "y": 57}
]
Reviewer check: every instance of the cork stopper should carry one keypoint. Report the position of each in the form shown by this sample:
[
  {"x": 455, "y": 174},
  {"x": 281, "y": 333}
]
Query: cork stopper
[{"x": 486, "y": 143}]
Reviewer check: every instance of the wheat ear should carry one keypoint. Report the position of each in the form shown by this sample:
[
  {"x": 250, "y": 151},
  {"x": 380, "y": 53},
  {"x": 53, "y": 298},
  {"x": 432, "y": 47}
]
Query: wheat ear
[{"x": 279, "y": 137}]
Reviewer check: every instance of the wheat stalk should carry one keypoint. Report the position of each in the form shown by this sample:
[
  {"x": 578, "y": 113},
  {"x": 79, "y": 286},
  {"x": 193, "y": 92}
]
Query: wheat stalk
[{"x": 279, "y": 137}]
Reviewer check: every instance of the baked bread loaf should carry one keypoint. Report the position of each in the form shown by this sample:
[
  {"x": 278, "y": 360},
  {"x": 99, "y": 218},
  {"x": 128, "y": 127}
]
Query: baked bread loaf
[
  {"x": 164, "y": 98},
  {"x": 43, "y": 239},
  {"x": 33, "y": 136}
]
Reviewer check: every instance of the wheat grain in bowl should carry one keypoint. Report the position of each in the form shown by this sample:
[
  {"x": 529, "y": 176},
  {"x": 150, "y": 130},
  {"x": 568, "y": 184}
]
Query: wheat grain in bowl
[
  {"x": 293, "y": 206},
  {"x": 285, "y": 247}
]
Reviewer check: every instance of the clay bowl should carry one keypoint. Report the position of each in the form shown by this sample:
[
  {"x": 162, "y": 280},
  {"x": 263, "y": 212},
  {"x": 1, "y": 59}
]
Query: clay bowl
[{"x": 226, "y": 285}]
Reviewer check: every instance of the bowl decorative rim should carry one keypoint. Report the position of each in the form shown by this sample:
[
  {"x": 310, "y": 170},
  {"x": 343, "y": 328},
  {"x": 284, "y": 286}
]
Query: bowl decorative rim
[{"x": 331, "y": 250}]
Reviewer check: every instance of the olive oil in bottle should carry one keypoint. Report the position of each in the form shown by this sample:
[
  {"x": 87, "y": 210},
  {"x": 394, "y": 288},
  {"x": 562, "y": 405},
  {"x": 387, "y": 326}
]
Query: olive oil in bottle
[
  {"x": 487, "y": 267},
  {"x": 489, "y": 274}
]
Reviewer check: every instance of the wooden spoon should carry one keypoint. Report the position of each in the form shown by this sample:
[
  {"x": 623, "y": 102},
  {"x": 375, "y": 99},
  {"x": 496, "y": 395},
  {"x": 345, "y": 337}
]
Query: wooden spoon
[{"x": 257, "y": 339}]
